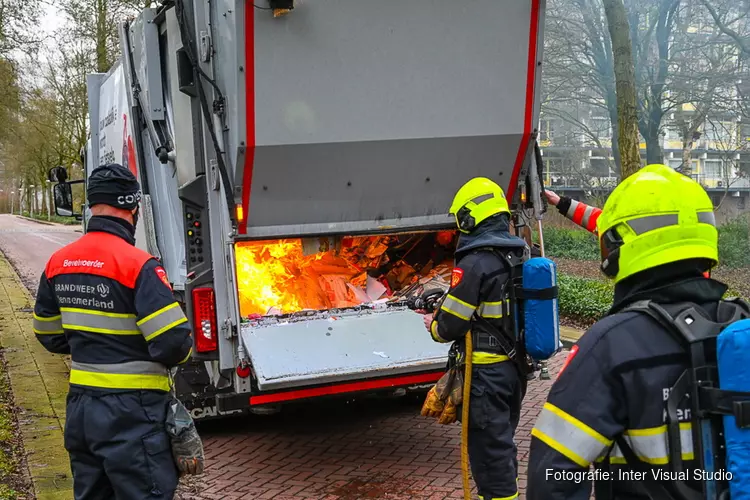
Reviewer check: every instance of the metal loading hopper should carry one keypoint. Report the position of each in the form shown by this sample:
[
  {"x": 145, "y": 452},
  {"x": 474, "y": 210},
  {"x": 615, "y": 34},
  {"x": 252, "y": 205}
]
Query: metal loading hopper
[{"x": 354, "y": 346}]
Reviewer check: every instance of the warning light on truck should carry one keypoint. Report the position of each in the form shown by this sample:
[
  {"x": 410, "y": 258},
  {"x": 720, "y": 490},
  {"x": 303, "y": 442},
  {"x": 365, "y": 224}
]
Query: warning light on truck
[
  {"x": 240, "y": 213},
  {"x": 204, "y": 307}
]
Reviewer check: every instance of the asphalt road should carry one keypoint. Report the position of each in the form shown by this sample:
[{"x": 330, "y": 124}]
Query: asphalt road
[{"x": 29, "y": 245}]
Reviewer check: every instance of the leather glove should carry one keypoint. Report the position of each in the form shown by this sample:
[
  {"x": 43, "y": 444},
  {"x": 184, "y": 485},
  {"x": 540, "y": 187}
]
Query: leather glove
[
  {"x": 433, "y": 406},
  {"x": 450, "y": 413},
  {"x": 192, "y": 465}
]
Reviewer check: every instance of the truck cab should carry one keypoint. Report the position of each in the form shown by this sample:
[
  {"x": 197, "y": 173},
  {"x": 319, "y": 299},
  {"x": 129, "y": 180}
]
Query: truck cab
[{"x": 297, "y": 161}]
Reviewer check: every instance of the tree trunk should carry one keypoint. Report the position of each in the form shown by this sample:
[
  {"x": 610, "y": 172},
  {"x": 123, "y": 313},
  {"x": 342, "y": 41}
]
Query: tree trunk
[
  {"x": 627, "y": 113},
  {"x": 687, "y": 152},
  {"x": 102, "y": 64}
]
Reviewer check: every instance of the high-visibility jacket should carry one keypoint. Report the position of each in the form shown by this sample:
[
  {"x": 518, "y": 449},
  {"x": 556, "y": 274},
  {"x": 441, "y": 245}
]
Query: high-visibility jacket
[
  {"x": 478, "y": 286},
  {"x": 580, "y": 213},
  {"x": 110, "y": 306},
  {"x": 615, "y": 381}
]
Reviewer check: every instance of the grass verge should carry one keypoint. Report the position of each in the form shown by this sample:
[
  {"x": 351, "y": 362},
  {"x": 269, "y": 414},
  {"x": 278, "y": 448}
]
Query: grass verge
[{"x": 14, "y": 483}]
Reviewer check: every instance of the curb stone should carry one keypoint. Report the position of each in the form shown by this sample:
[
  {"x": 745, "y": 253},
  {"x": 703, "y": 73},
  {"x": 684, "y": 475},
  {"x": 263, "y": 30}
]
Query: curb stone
[
  {"x": 46, "y": 223},
  {"x": 39, "y": 381}
]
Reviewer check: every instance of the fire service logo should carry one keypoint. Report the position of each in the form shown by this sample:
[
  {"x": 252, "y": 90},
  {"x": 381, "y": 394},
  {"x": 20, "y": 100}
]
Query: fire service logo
[
  {"x": 162, "y": 274},
  {"x": 103, "y": 290},
  {"x": 456, "y": 277}
]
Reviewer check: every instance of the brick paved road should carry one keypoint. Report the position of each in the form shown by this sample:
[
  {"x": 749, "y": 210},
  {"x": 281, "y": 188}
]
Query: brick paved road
[{"x": 344, "y": 451}]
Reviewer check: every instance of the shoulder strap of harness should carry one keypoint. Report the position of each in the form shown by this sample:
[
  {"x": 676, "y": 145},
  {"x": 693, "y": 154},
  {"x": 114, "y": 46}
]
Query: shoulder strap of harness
[{"x": 694, "y": 330}]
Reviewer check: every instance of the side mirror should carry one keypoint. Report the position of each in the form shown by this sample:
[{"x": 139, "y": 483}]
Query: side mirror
[{"x": 64, "y": 200}]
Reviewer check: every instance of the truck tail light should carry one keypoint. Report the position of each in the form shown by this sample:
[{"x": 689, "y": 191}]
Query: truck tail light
[{"x": 204, "y": 317}]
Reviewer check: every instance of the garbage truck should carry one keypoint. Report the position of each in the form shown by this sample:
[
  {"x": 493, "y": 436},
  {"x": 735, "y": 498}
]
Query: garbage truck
[{"x": 297, "y": 161}]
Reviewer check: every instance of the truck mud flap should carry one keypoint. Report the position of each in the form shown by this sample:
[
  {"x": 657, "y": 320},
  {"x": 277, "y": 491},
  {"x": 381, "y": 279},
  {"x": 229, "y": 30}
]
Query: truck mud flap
[{"x": 194, "y": 389}]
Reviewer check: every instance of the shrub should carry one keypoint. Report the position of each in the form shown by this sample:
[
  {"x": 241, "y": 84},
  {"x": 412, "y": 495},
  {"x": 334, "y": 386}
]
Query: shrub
[
  {"x": 576, "y": 244},
  {"x": 584, "y": 299},
  {"x": 734, "y": 243}
]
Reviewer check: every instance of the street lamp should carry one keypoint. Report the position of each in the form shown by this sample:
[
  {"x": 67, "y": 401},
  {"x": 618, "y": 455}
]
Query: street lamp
[
  {"x": 32, "y": 199},
  {"x": 48, "y": 195}
]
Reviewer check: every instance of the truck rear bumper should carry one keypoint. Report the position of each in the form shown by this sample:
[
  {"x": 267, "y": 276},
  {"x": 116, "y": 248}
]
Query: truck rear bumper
[{"x": 230, "y": 402}]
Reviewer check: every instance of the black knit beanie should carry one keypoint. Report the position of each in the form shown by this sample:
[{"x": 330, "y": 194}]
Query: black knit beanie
[{"x": 113, "y": 185}]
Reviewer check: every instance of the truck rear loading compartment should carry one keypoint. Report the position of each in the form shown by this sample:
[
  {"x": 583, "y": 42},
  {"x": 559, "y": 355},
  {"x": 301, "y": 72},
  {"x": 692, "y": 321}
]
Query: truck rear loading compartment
[
  {"x": 357, "y": 346},
  {"x": 356, "y": 102}
]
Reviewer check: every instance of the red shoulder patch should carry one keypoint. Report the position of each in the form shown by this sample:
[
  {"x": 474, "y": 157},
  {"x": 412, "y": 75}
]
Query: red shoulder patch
[
  {"x": 456, "y": 276},
  {"x": 571, "y": 355},
  {"x": 162, "y": 274}
]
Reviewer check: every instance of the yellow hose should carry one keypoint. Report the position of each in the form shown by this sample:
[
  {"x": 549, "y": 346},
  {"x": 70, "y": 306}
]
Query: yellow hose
[{"x": 465, "y": 420}]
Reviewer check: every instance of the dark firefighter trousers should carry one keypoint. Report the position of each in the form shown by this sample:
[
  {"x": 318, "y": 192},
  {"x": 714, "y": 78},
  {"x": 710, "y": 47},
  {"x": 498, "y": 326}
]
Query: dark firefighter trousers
[
  {"x": 494, "y": 412},
  {"x": 118, "y": 445}
]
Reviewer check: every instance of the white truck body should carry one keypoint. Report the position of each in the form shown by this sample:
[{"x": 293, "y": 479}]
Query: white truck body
[{"x": 341, "y": 118}]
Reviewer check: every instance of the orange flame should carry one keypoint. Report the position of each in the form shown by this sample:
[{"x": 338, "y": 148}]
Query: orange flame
[{"x": 276, "y": 275}]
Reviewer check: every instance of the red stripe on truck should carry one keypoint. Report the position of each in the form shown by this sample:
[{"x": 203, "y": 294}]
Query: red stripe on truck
[
  {"x": 530, "y": 81},
  {"x": 247, "y": 173},
  {"x": 331, "y": 390}
]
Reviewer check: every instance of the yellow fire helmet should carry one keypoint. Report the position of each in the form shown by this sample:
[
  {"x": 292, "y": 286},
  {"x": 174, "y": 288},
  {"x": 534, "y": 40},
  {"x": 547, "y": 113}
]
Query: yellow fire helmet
[
  {"x": 654, "y": 217},
  {"x": 476, "y": 201}
]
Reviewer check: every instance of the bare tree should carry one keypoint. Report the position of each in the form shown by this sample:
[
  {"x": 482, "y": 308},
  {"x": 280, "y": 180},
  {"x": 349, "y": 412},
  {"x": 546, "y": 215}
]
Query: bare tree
[
  {"x": 726, "y": 141},
  {"x": 732, "y": 19},
  {"x": 579, "y": 72},
  {"x": 627, "y": 113}
]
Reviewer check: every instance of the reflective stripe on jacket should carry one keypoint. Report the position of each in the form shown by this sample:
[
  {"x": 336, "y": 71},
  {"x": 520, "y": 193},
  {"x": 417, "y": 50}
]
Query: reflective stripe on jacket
[{"x": 110, "y": 306}]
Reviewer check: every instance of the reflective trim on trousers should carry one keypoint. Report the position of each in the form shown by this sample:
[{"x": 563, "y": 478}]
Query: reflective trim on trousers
[{"x": 130, "y": 375}]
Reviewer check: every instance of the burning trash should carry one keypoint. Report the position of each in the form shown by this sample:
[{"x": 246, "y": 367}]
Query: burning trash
[{"x": 292, "y": 275}]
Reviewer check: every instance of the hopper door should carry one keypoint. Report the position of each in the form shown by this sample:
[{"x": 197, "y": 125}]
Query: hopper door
[{"x": 332, "y": 349}]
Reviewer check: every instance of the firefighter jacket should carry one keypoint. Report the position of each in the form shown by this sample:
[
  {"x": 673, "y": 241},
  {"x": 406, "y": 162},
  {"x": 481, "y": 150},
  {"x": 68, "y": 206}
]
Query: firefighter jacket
[
  {"x": 109, "y": 305},
  {"x": 615, "y": 382},
  {"x": 580, "y": 213},
  {"x": 478, "y": 285}
]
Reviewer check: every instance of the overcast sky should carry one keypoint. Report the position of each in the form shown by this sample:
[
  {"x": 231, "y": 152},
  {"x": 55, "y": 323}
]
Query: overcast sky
[{"x": 52, "y": 19}]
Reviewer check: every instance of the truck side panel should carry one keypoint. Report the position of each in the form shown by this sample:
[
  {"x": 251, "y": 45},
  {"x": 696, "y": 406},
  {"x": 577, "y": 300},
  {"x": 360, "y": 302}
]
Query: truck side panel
[{"x": 354, "y": 109}]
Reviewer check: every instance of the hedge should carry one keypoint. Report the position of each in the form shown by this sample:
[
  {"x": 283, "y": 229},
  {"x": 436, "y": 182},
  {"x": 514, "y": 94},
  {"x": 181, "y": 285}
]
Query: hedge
[
  {"x": 578, "y": 244},
  {"x": 587, "y": 300},
  {"x": 584, "y": 299}
]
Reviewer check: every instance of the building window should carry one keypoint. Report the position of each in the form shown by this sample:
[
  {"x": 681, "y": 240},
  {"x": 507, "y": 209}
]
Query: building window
[{"x": 712, "y": 169}]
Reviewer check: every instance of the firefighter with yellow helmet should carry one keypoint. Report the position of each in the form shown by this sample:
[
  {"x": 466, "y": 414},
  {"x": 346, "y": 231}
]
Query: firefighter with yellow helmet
[
  {"x": 657, "y": 235},
  {"x": 477, "y": 303}
]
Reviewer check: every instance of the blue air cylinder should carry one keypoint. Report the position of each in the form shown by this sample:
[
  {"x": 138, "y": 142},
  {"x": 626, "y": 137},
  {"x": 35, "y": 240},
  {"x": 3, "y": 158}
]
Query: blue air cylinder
[
  {"x": 733, "y": 358},
  {"x": 541, "y": 315}
]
